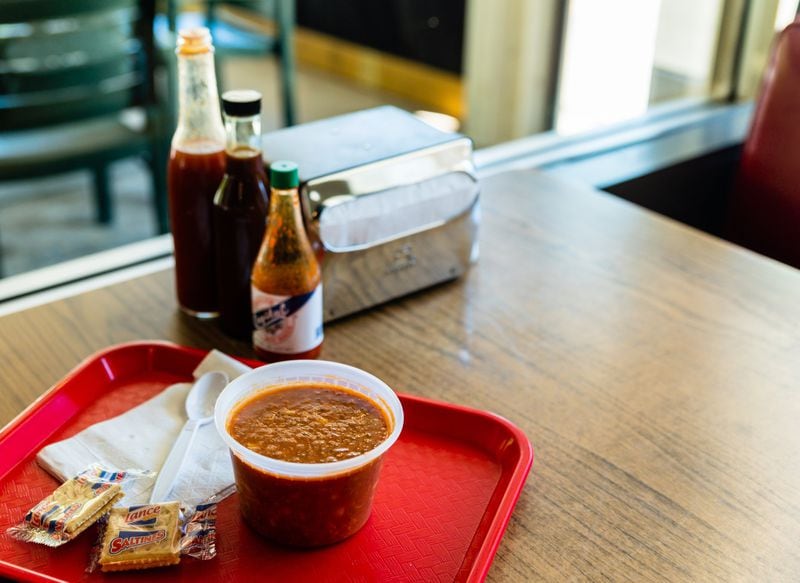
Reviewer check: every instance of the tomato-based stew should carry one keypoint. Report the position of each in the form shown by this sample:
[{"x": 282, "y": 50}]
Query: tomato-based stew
[{"x": 309, "y": 424}]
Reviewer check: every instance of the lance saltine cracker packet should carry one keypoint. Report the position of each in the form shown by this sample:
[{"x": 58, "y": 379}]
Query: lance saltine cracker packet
[
  {"x": 71, "y": 508},
  {"x": 141, "y": 537}
]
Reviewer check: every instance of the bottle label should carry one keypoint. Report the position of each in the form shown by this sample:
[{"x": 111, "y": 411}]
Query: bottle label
[{"x": 287, "y": 324}]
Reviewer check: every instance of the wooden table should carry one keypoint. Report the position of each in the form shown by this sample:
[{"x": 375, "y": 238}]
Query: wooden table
[{"x": 655, "y": 369}]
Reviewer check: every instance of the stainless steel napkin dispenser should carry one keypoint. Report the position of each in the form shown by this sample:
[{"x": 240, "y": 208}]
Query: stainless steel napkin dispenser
[{"x": 393, "y": 202}]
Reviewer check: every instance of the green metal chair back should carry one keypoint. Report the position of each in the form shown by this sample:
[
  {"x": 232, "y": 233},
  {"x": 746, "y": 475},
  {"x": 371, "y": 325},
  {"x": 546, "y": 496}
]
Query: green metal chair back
[{"x": 67, "y": 60}]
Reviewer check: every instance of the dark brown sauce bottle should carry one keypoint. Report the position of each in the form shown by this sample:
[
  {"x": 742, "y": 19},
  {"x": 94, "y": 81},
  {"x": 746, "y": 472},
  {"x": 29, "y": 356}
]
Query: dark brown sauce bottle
[{"x": 240, "y": 211}]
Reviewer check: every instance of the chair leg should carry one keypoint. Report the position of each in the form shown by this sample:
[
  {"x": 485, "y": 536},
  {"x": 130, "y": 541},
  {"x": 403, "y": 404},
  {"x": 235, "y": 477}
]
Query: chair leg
[
  {"x": 211, "y": 23},
  {"x": 102, "y": 194},
  {"x": 285, "y": 16},
  {"x": 158, "y": 172},
  {"x": 219, "y": 74}
]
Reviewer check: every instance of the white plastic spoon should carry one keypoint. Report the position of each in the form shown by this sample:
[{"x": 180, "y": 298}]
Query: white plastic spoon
[{"x": 200, "y": 411}]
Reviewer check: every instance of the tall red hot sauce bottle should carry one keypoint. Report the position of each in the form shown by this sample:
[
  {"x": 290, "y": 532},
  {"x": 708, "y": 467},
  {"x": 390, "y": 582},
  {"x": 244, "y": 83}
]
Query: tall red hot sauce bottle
[
  {"x": 286, "y": 280},
  {"x": 195, "y": 169}
]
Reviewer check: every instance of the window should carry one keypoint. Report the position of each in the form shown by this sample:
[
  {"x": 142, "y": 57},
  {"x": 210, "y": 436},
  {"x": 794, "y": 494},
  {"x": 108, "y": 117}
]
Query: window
[{"x": 585, "y": 64}]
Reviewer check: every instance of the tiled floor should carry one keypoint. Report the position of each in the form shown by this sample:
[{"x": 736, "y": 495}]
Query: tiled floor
[{"x": 46, "y": 221}]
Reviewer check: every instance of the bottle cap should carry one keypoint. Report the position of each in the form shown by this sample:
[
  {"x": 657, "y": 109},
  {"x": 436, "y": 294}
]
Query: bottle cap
[
  {"x": 193, "y": 41},
  {"x": 241, "y": 102},
  {"x": 283, "y": 174}
]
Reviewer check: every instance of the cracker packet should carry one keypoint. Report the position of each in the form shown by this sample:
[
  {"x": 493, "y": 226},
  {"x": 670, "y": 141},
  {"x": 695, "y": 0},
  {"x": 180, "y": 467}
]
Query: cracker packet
[
  {"x": 75, "y": 505},
  {"x": 153, "y": 535},
  {"x": 140, "y": 537}
]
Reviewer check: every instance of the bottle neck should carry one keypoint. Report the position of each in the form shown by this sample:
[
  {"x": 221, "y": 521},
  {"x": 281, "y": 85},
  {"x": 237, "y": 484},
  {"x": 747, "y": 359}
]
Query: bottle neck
[
  {"x": 286, "y": 240},
  {"x": 284, "y": 205},
  {"x": 199, "y": 118},
  {"x": 285, "y": 215},
  {"x": 243, "y": 133}
]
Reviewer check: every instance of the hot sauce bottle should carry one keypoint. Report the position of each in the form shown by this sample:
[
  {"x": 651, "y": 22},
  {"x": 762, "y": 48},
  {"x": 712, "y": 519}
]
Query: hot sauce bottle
[
  {"x": 286, "y": 280},
  {"x": 195, "y": 169},
  {"x": 240, "y": 211}
]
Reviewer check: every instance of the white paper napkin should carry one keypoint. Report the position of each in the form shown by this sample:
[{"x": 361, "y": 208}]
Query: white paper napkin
[{"x": 142, "y": 437}]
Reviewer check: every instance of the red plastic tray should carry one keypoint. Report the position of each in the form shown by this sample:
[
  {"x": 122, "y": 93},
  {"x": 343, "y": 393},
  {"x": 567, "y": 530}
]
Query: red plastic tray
[{"x": 447, "y": 488}]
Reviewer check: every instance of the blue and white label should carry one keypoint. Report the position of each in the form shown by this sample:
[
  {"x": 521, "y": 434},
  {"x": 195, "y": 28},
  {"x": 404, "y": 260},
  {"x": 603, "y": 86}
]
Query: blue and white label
[{"x": 287, "y": 324}]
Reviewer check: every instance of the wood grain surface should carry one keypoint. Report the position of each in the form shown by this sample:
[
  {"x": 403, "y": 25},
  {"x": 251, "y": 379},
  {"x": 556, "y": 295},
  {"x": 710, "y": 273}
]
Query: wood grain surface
[{"x": 655, "y": 369}]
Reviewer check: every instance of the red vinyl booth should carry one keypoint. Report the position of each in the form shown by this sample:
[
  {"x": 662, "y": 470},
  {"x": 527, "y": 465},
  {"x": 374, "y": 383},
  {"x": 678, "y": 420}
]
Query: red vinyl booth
[{"x": 764, "y": 213}]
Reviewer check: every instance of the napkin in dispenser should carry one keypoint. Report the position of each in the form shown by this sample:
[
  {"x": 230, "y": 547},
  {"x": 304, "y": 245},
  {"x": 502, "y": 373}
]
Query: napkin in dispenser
[{"x": 393, "y": 202}]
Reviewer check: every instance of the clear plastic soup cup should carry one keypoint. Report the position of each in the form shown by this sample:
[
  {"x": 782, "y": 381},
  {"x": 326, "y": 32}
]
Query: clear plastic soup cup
[{"x": 306, "y": 504}]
